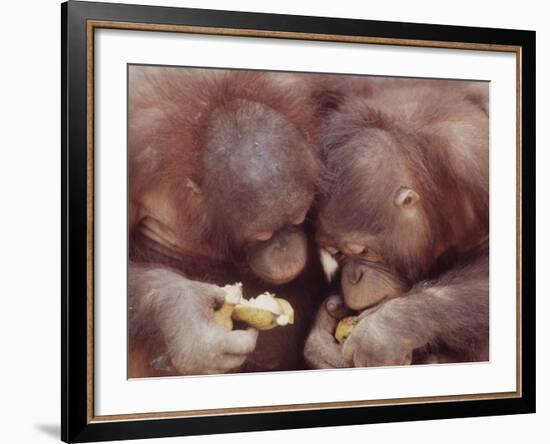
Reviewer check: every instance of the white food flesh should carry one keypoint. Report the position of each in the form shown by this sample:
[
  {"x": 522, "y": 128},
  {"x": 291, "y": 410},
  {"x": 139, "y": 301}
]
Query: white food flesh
[
  {"x": 264, "y": 301},
  {"x": 234, "y": 293},
  {"x": 283, "y": 320}
]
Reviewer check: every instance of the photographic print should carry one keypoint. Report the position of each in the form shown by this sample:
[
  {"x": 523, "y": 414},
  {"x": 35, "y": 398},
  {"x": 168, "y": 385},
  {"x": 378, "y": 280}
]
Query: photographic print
[
  {"x": 284, "y": 221},
  {"x": 275, "y": 221}
]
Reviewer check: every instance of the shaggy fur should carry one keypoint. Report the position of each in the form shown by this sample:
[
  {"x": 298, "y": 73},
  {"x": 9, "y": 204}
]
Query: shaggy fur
[
  {"x": 432, "y": 138},
  {"x": 216, "y": 157}
]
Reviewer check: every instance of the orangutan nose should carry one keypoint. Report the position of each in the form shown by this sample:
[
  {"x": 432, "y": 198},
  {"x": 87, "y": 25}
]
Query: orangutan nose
[{"x": 355, "y": 273}]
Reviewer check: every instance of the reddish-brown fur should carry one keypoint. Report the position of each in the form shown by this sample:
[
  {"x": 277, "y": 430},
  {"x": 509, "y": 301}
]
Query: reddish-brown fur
[
  {"x": 428, "y": 140},
  {"x": 169, "y": 112},
  {"x": 199, "y": 187}
]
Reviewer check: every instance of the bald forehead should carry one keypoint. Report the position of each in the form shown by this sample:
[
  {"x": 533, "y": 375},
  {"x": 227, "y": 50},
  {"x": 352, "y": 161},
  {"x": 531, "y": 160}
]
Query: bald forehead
[
  {"x": 257, "y": 164},
  {"x": 256, "y": 145}
]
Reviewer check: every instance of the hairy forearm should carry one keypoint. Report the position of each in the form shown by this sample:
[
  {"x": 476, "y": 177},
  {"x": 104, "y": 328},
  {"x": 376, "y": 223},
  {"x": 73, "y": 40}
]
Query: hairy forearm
[
  {"x": 453, "y": 310},
  {"x": 146, "y": 285}
]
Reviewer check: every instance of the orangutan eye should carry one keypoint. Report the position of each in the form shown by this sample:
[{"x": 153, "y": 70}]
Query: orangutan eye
[
  {"x": 263, "y": 236},
  {"x": 300, "y": 219},
  {"x": 357, "y": 248},
  {"x": 338, "y": 256},
  {"x": 373, "y": 256}
]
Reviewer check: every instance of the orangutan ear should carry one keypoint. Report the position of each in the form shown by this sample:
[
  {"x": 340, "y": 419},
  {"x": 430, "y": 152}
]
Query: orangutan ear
[{"x": 405, "y": 197}]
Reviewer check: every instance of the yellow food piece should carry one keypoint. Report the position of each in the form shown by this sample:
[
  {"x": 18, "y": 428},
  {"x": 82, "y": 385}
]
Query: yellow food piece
[
  {"x": 263, "y": 312},
  {"x": 223, "y": 316},
  {"x": 345, "y": 327},
  {"x": 233, "y": 295},
  {"x": 255, "y": 317},
  {"x": 287, "y": 309}
]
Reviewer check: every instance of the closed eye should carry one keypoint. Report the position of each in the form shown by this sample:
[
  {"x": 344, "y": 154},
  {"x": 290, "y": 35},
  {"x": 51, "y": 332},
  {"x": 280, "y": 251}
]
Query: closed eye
[
  {"x": 300, "y": 219},
  {"x": 371, "y": 256},
  {"x": 338, "y": 256},
  {"x": 263, "y": 236},
  {"x": 357, "y": 249}
]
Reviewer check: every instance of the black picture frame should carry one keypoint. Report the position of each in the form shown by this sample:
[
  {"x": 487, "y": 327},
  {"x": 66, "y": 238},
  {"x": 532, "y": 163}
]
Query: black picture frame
[{"x": 77, "y": 424}]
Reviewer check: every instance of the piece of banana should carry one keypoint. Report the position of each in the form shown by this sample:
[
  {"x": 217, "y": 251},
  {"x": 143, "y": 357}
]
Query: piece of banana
[
  {"x": 345, "y": 327},
  {"x": 233, "y": 295},
  {"x": 286, "y": 308},
  {"x": 263, "y": 312}
]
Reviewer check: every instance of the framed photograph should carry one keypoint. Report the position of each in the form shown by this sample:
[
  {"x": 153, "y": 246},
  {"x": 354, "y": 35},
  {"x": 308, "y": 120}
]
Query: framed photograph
[{"x": 275, "y": 221}]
